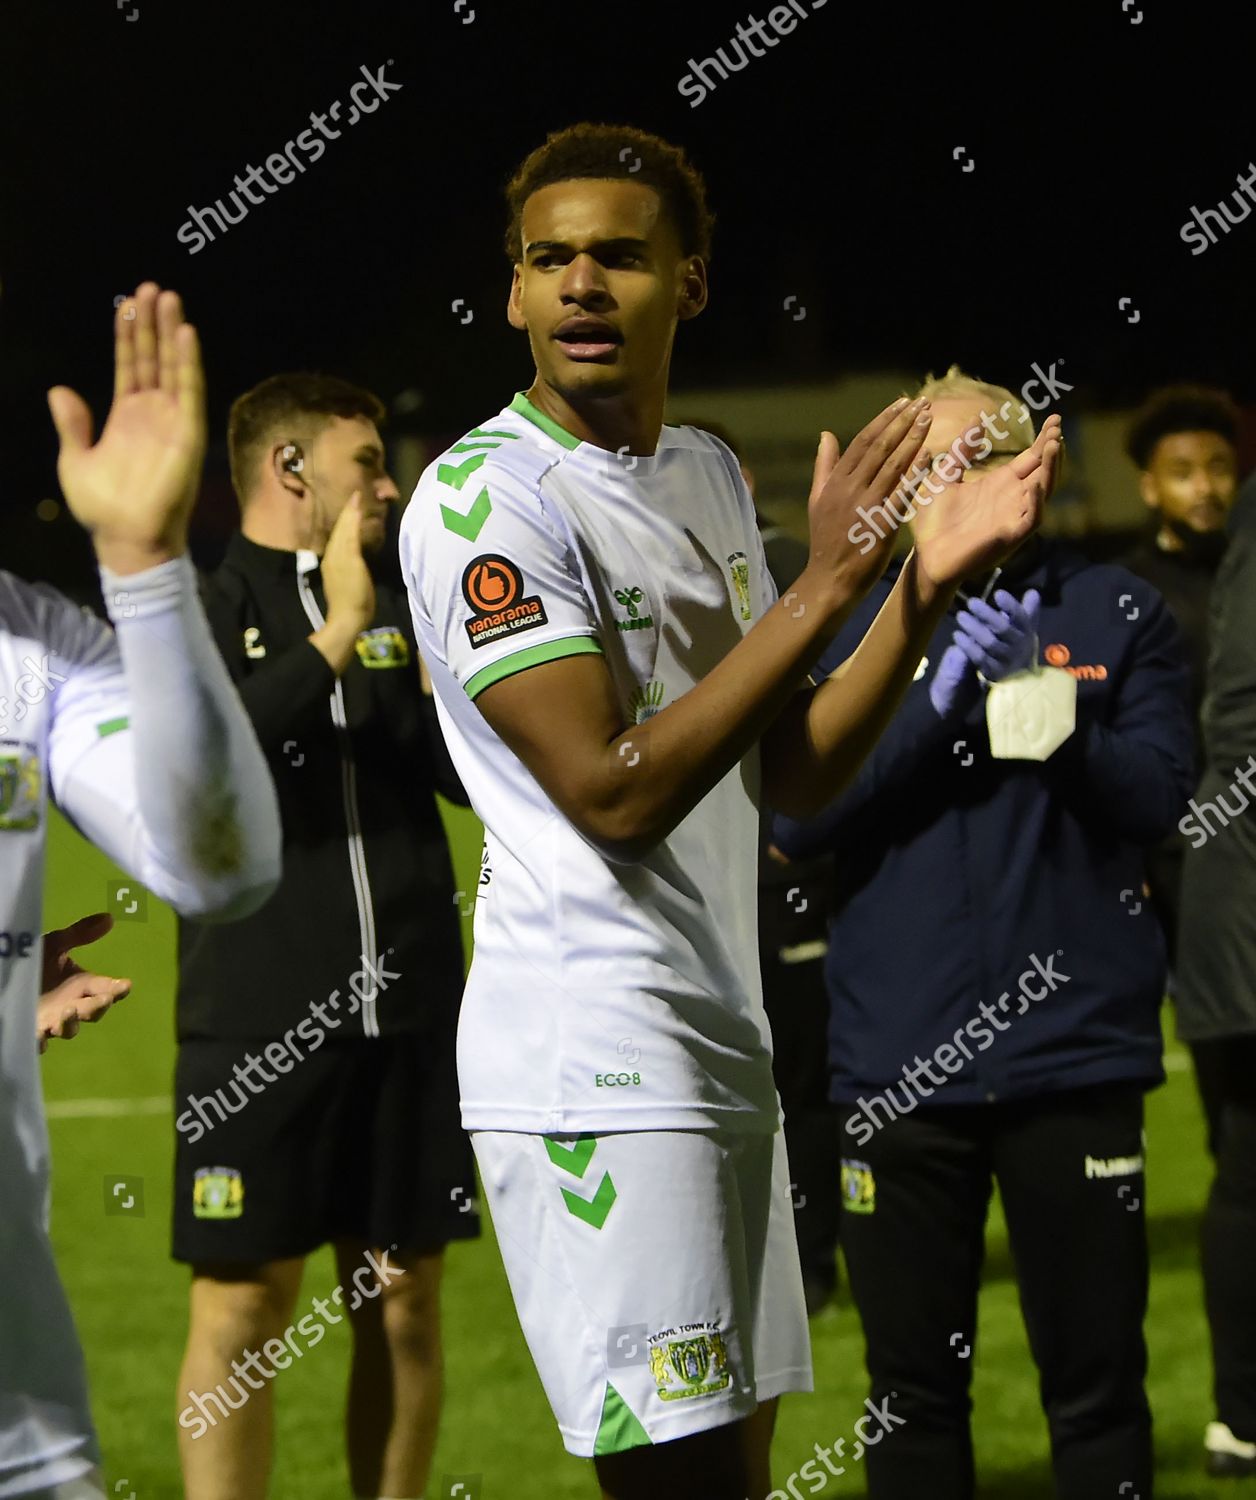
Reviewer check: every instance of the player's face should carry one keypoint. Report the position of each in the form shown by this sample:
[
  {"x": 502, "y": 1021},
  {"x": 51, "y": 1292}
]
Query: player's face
[
  {"x": 601, "y": 286},
  {"x": 1191, "y": 480},
  {"x": 348, "y": 455}
]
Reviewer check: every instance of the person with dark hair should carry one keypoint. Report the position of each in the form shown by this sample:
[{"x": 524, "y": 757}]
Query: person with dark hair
[
  {"x": 346, "y": 986},
  {"x": 1183, "y": 443},
  {"x": 621, "y": 691},
  {"x": 1215, "y": 993},
  {"x": 793, "y": 940}
]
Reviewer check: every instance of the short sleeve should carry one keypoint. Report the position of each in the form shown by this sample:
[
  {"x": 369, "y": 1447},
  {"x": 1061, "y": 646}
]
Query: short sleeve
[{"x": 493, "y": 576}]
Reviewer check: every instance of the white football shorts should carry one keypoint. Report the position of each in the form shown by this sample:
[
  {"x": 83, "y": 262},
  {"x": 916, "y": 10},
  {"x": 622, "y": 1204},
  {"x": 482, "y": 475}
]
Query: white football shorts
[{"x": 655, "y": 1274}]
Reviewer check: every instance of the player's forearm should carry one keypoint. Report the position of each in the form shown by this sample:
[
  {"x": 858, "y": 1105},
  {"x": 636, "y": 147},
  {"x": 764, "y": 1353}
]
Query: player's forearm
[
  {"x": 204, "y": 794},
  {"x": 336, "y": 640},
  {"x": 815, "y": 749},
  {"x": 661, "y": 769}
]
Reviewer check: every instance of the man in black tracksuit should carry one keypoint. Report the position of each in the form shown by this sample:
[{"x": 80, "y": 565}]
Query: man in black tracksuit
[
  {"x": 995, "y": 977},
  {"x": 316, "y": 1091},
  {"x": 1183, "y": 444},
  {"x": 1216, "y": 999}
]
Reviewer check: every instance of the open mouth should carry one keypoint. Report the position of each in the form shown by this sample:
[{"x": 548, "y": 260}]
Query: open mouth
[{"x": 588, "y": 338}]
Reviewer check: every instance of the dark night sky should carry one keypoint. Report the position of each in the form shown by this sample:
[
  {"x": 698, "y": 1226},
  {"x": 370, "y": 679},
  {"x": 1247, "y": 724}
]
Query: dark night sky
[{"x": 829, "y": 163}]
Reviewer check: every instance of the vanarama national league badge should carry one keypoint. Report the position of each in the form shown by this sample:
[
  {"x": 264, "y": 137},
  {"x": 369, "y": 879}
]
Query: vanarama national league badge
[{"x": 492, "y": 586}]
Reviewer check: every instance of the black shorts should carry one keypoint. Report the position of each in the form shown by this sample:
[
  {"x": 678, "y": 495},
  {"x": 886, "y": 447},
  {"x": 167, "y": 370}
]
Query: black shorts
[{"x": 359, "y": 1140}]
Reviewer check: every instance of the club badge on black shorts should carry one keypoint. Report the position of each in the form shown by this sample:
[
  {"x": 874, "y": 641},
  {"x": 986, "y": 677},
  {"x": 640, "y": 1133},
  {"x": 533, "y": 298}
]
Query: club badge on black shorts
[
  {"x": 492, "y": 586},
  {"x": 217, "y": 1193}
]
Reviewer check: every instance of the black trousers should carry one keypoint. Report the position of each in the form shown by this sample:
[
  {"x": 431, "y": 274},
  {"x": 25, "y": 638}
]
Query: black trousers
[
  {"x": 1069, "y": 1170},
  {"x": 797, "y": 1005},
  {"x": 1226, "y": 1072}
]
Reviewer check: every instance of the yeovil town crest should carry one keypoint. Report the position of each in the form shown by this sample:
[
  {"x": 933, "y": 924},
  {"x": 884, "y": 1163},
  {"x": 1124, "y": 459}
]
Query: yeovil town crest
[
  {"x": 20, "y": 783},
  {"x": 689, "y": 1360},
  {"x": 740, "y": 573}
]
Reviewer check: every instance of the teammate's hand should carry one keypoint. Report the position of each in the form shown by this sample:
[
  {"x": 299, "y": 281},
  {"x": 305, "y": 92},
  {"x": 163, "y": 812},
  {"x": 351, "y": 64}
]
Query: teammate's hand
[
  {"x": 70, "y": 995},
  {"x": 347, "y": 580},
  {"x": 971, "y": 527},
  {"x": 863, "y": 476},
  {"x": 135, "y": 487}
]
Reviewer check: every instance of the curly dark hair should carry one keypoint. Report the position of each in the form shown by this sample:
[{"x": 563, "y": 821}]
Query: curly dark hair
[
  {"x": 288, "y": 405},
  {"x": 1180, "y": 408},
  {"x": 589, "y": 150}
]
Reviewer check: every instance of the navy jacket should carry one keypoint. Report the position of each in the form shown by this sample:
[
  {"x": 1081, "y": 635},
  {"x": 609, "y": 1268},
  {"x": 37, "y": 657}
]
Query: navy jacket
[{"x": 954, "y": 871}]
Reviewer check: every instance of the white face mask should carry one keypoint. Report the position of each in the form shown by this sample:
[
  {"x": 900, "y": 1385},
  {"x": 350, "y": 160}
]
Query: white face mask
[{"x": 1030, "y": 714}]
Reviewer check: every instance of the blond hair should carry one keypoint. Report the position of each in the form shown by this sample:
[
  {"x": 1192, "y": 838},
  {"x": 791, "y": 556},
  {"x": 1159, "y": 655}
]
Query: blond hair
[{"x": 956, "y": 385}]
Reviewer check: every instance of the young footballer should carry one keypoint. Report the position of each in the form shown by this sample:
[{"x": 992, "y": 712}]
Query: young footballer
[
  {"x": 136, "y": 734},
  {"x": 619, "y": 686}
]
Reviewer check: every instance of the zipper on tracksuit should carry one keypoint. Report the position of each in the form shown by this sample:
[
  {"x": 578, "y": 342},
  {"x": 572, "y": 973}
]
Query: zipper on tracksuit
[{"x": 353, "y": 821}]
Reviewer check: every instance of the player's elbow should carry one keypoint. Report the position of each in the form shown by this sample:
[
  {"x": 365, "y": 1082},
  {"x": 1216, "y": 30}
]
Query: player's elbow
[
  {"x": 615, "y": 832},
  {"x": 229, "y": 901}
]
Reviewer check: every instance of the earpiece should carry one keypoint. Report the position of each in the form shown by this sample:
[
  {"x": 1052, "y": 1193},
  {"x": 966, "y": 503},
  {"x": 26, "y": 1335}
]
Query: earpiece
[{"x": 293, "y": 459}]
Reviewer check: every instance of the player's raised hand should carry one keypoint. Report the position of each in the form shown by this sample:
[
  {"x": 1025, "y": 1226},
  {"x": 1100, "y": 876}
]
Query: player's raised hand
[
  {"x": 971, "y": 527},
  {"x": 134, "y": 488},
  {"x": 347, "y": 580},
  {"x": 870, "y": 470}
]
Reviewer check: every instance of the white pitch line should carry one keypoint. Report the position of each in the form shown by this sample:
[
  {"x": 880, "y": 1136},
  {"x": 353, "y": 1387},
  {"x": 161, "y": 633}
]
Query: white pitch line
[{"x": 97, "y": 1109}]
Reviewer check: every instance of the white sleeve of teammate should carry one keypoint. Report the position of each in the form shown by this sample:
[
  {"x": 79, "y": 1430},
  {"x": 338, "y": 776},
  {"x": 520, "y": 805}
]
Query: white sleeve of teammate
[
  {"x": 151, "y": 754},
  {"x": 523, "y": 547}
]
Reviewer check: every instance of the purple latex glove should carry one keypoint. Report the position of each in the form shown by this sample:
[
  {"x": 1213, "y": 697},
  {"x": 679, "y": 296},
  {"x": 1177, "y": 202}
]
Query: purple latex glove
[
  {"x": 952, "y": 681},
  {"x": 996, "y": 642},
  {"x": 999, "y": 640}
]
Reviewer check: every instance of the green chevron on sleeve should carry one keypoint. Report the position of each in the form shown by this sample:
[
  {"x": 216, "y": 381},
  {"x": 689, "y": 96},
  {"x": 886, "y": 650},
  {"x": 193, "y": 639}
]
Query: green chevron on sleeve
[{"x": 470, "y": 523}]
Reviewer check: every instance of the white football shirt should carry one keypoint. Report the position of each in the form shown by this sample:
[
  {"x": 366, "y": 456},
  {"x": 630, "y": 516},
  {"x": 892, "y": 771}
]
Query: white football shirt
[
  {"x": 61, "y": 692},
  {"x": 67, "y": 706},
  {"x": 602, "y": 996}
]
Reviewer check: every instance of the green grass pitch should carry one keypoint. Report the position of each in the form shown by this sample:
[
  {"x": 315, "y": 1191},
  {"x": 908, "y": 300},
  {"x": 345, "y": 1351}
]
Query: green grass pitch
[{"x": 129, "y": 1298}]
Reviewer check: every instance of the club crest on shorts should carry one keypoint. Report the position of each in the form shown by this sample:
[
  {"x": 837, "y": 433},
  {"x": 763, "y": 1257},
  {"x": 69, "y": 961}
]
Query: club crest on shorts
[
  {"x": 217, "y": 1193},
  {"x": 689, "y": 1360},
  {"x": 20, "y": 783},
  {"x": 859, "y": 1187}
]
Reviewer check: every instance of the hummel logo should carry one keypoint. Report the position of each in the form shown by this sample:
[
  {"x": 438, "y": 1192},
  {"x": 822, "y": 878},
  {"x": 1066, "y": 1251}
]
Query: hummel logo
[{"x": 630, "y": 598}]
